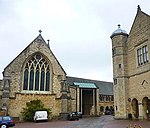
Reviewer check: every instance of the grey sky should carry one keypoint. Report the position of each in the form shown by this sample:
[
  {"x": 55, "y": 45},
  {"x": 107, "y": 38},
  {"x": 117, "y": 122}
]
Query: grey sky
[{"x": 79, "y": 31}]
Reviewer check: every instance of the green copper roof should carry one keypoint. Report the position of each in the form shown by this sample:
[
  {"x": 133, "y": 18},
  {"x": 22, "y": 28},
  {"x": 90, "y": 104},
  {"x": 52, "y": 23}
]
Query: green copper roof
[{"x": 85, "y": 85}]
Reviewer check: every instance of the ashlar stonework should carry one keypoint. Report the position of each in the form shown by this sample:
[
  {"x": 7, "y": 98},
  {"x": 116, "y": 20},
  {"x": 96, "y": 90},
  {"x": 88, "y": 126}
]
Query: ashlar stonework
[
  {"x": 131, "y": 69},
  {"x": 37, "y": 74}
]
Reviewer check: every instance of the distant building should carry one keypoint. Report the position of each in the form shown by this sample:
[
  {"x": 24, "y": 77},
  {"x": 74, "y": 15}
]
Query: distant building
[
  {"x": 105, "y": 94},
  {"x": 131, "y": 69},
  {"x": 37, "y": 74}
]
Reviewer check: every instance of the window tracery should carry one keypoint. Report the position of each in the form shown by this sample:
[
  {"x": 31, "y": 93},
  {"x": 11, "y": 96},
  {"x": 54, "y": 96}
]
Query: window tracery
[{"x": 36, "y": 75}]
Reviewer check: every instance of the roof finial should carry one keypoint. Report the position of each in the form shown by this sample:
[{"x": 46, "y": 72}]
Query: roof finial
[
  {"x": 119, "y": 25},
  {"x": 40, "y": 31},
  {"x": 138, "y": 9},
  {"x": 48, "y": 42}
]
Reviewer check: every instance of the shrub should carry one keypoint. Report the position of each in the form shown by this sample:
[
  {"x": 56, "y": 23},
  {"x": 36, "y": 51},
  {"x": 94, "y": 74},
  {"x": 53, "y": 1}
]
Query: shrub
[{"x": 31, "y": 107}]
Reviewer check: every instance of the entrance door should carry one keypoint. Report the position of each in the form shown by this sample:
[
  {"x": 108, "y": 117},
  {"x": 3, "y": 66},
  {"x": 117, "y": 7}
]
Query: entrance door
[
  {"x": 87, "y": 101},
  {"x": 135, "y": 108},
  {"x": 146, "y": 107}
]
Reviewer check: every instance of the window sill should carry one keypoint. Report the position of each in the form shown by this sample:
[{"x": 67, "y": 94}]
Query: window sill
[{"x": 35, "y": 92}]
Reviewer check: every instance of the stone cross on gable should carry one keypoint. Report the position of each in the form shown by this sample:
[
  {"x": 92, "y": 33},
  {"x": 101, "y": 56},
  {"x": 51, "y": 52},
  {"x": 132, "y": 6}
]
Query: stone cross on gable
[{"x": 40, "y": 31}]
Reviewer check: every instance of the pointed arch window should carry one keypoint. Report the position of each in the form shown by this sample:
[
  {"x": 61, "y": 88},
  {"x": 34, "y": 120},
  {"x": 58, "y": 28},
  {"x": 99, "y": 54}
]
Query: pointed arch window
[
  {"x": 47, "y": 79},
  {"x": 42, "y": 79},
  {"x": 37, "y": 80},
  {"x": 36, "y": 76},
  {"x": 25, "y": 87}
]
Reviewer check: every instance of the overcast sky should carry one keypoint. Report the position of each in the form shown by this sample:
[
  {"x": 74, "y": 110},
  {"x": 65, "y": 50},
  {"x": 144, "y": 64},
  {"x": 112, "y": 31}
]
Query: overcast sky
[{"x": 79, "y": 31}]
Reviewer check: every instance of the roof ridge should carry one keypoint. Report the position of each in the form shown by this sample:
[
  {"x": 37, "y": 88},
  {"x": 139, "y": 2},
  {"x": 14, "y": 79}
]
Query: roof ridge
[{"x": 88, "y": 79}]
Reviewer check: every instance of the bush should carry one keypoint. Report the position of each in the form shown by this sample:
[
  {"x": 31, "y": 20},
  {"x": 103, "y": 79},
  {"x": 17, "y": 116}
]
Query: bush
[{"x": 31, "y": 107}]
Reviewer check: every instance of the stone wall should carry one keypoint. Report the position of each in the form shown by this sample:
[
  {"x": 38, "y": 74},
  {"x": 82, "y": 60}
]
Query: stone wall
[
  {"x": 74, "y": 98},
  {"x": 16, "y": 105},
  {"x": 139, "y": 82},
  {"x": 1, "y": 91},
  {"x": 14, "y": 71},
  {"x": 133, "y": 81},
  {"x": 139, "y": 86},
  {"x": 138, "y": 37},
  {"x": 1, "y": 87}
]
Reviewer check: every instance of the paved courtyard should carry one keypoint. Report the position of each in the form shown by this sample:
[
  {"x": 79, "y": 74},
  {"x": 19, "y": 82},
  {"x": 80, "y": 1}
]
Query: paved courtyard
[{"x": 88, "y": 122}]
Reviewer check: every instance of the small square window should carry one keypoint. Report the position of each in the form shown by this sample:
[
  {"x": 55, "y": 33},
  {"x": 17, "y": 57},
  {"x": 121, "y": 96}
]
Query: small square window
[
  {"x": 115, "y": 81},
  {"x": 119, "y": 65}
]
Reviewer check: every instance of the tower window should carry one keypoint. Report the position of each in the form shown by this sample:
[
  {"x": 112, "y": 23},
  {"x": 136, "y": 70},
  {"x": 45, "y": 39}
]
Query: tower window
[
  {"x": 113, "y": 51},
  {"x": 36, "y": 76},
  {"x": 115, "y": 81},
  {"x": 142, "y": 54},
  {"x": 119, "y": 65},
  {"x": 116, "y": 108}
]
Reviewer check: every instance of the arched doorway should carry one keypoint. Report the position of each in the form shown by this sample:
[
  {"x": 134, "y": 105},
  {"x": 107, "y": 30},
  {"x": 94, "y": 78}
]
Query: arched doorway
[
  {"x": 135, "y": 108},
  {"x": 107, "y": 111},
  {"x": 112, "y": 110},
  {"x": 101, "y": 109},
  {"x": 146, "y": 107}
]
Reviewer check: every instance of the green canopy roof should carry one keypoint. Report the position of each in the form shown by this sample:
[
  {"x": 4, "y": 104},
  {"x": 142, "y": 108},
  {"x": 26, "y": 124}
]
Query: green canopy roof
[{"x": 85, "y": 85}]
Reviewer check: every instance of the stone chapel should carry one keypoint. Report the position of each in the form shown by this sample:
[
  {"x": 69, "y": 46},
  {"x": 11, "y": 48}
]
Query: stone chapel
[{"x": 37, "y": 74}]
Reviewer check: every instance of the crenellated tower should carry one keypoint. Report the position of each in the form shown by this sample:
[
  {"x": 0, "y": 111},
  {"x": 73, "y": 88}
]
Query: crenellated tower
[{"x": 119, "y": 54}]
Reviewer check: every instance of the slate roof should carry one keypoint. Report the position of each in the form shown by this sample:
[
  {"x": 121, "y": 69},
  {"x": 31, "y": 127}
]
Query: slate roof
[{"x": 105, "y": 88}]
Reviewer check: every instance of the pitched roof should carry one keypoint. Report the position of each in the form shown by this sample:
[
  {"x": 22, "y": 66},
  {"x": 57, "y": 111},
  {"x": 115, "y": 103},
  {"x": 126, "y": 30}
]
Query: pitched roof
[
  {"x": 139, "y": 14},
  {"x": 40, "y": 39},
  {"x": 105, "y": 88}
]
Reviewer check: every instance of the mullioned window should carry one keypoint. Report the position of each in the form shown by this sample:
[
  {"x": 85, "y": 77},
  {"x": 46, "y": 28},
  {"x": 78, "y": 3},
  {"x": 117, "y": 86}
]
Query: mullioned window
[
  {"x": 36, "y": 75},
  {"x": 142, "y": 54}
]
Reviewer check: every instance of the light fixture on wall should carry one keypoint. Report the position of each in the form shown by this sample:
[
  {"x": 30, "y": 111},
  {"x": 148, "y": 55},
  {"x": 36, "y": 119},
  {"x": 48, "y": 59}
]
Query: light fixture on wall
[{"x": 129, "y": 99}]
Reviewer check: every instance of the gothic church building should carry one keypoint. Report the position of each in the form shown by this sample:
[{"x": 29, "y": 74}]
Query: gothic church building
[
  {"x": 37, "y": 74},
  {"x": 131, "y": 69}
]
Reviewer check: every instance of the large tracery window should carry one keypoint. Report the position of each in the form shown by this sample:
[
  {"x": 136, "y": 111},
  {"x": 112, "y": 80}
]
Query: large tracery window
[{"x": 36, "y": 74}]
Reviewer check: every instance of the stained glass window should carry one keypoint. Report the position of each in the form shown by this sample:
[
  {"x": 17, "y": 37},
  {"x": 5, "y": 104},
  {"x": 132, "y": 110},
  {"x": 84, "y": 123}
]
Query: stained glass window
[
  {"x": 36, "y": 74},
  {"x": 25, "y": 85}
]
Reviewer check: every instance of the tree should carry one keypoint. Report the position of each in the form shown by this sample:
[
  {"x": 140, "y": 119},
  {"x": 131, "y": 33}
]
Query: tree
[{"x": 31, "y": 107}]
